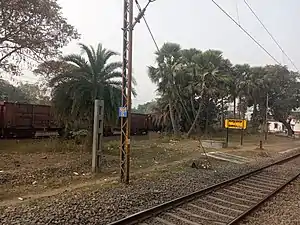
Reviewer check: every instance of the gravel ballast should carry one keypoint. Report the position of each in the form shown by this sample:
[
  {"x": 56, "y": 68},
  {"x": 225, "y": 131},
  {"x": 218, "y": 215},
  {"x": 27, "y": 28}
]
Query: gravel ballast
[
  {"x": 282, "y": 209},
  {"x": 98, "y": 205},
  {"x": 201, "y": 210}
]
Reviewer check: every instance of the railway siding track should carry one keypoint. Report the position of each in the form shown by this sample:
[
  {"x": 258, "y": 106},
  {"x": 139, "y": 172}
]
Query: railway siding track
[{"x": 225, "y": 203}]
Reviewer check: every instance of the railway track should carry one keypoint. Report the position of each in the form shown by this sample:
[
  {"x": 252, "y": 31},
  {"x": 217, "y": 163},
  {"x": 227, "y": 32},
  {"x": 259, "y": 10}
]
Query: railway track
[{"x": 225, "y": 203}]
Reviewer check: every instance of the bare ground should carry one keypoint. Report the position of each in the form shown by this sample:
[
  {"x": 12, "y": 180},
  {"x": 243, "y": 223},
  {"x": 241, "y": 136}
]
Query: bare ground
[{"x": 30, "y": 169}]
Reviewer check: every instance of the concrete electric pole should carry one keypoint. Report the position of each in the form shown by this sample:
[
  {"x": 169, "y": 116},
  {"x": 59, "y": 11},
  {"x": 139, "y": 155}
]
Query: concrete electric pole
[{"x": 97, "y": 151}]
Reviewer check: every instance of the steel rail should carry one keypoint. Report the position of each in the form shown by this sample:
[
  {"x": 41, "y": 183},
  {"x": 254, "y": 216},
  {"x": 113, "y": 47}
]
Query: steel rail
[
  {"x": 148, "y": 213},
  {"x": 250, "y": 210}
]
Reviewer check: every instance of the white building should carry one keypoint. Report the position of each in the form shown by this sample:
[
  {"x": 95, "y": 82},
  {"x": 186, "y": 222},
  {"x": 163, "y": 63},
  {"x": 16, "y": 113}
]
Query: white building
[
  {"x": 275, "y": 126},
  {"x": 295, "y": 125}
]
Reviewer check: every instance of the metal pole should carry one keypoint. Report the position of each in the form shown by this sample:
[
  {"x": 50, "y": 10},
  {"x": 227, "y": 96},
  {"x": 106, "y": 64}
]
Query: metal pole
[
  {"x": 266, "y": 119},
  {"x": 227, "y": 137},
  {"x": 128, "y": 26},
  {"x": 124, "y": 93},
  {"x": 129, "y": 90},
  {"x": 242, "y": 136},
  {"x": 126, "y": 90}
]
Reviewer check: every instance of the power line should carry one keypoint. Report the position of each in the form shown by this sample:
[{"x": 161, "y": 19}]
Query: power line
[
  {"x": 245, "y": 31},
  {"x": 237, "y": 11},
  {"x": 147, "y": 25},
  {"x": 253, "y": 12}
]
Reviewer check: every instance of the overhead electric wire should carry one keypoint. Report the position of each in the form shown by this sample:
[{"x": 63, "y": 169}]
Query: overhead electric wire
[
  {"x": 245, "y": 31},
  {"x": 267, "y": 30},
  {"x": 237, "y": 11},
  {"x": 147, "y": 25}
]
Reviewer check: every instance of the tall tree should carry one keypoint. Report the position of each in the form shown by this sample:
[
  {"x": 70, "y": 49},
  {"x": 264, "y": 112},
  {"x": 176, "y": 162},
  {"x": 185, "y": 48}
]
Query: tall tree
[
  {"x": 168, "y": 61},
  {"x": 237, "y": 76},
  {"x": 283, "y": 88},
  {"x": 75, "y": 90},
  {"x": 31, "y": 30},
  {"x": 211, "y": 71},
  {"x": 34, "y": 94},
  {"x": 49, "y": 69}
]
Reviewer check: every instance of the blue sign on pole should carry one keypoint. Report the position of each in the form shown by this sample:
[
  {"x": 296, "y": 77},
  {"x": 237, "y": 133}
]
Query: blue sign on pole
[{"x": 122, "y": 112}]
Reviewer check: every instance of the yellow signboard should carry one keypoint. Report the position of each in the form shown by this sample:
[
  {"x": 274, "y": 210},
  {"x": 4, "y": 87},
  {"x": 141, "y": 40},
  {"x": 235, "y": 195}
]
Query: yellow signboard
[{"x": 235, "y": 124}]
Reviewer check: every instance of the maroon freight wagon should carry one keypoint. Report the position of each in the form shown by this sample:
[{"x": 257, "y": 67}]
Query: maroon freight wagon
[
  {"x": 24, "y": 120},
  {"x": 139, "y": 123}
]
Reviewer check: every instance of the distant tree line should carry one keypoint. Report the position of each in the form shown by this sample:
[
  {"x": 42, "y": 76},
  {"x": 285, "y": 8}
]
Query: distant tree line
[
  {"x": 146, "y": 108},
  {"x": 23, "y": 93},
  {"x": 194, "y": 87}
]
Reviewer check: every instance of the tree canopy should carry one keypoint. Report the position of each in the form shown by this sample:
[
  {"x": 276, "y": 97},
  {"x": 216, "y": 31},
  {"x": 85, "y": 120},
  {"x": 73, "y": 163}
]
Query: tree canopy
[
  {"x": 23, "y": 93},
  {"x": 86, "y": 78},
  {"x": 9, "y": 92},
  {"x": 31, "y": 30},
  {"x": 195, "y": 87},
  {"x": 147, "y": 108}
]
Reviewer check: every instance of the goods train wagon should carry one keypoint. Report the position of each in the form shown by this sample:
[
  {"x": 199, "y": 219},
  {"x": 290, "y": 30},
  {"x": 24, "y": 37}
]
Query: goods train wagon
[
  {"x": 24, "y": 120},
  {"x": 139, "y": 123}
]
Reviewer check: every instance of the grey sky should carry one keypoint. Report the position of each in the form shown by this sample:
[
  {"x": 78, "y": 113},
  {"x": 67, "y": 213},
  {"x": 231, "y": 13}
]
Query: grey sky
[{"x": 191, "y": 23}]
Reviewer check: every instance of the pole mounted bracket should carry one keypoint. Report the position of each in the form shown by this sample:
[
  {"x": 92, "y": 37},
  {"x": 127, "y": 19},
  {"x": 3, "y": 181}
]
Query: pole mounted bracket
[{"x": 141, "y": 12}]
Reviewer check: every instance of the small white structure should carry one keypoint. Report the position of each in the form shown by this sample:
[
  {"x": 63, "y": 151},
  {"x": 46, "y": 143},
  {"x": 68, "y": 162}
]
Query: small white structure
[
  {"x": 295, "y": 125},
  {"x": 275, "y": 126}
]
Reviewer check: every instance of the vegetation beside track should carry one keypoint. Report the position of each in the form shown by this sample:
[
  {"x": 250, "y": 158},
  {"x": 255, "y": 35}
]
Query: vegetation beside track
[{"x": 40, "y": 165}]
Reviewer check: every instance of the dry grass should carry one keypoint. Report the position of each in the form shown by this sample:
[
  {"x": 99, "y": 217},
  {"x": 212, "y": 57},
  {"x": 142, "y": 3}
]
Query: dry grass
[
  {"x": 52, "y": 162},
  {"x": 56, "y": 163},
  {"x": 39, "y": 145}
]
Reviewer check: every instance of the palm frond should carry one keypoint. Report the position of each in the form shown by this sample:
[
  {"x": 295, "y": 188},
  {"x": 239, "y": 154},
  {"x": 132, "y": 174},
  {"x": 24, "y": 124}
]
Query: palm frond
[
  {"x": 76, "y": 60},
  {"x": 70, "y": 75},
  {"x": 111, "y": 67},
  {"x": 108, "y": 54},
  {"x": 112, "y": 75},
  {"x": 90, "y": 52}
]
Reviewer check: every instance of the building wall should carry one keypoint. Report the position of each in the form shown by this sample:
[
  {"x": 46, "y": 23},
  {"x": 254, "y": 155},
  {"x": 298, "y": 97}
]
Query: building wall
[
  {"x": 295, "y": 125},
  {"x": 275, "y": 126}
]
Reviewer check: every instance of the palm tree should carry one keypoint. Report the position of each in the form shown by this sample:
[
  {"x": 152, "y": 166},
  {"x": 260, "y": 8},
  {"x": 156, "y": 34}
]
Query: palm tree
[
  {"x": 91, "y": 77},
  {"x": 210, "y": 74},
  {"x": 164, "y": 75},
  {"x": 253, "y": 88},
  {"x": 190, "y": 76},
  {"x": 238, "y": 75}
]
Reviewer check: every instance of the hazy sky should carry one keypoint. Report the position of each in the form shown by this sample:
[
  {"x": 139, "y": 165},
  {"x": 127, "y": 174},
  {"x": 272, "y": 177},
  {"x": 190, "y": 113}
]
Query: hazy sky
[{"x": 191, "y": 23}]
